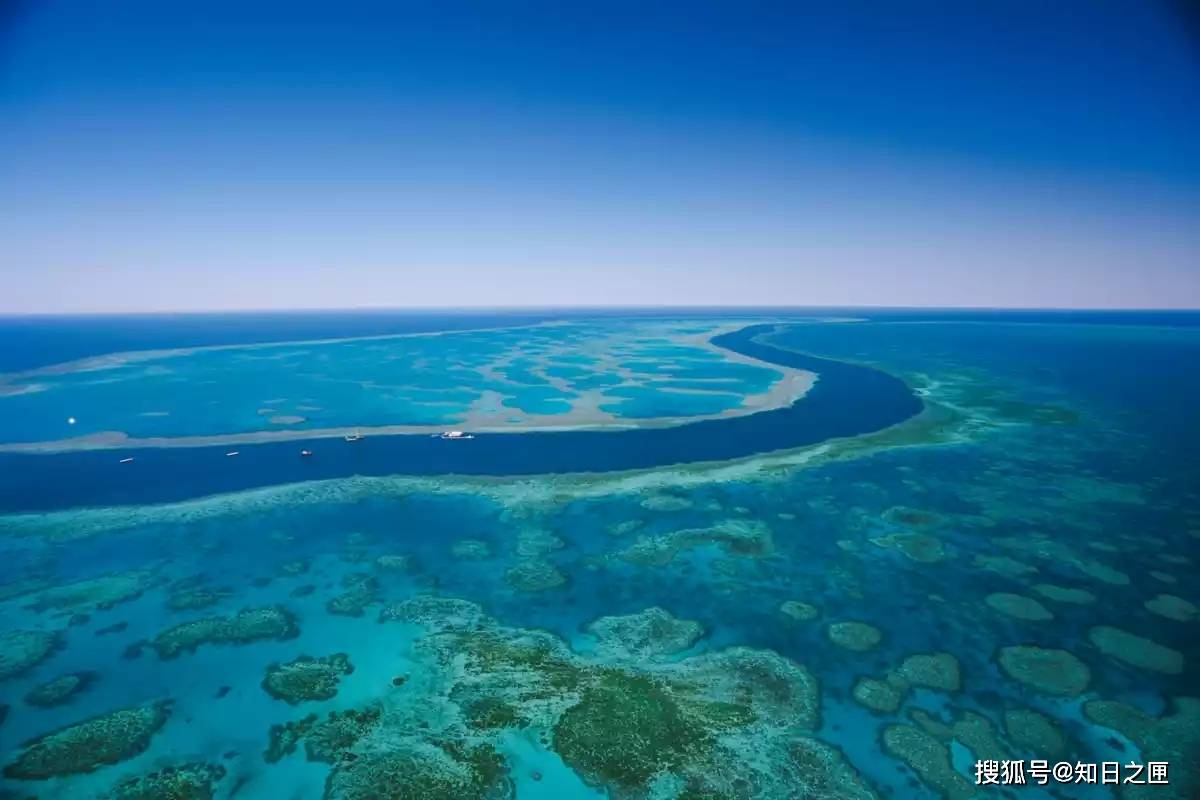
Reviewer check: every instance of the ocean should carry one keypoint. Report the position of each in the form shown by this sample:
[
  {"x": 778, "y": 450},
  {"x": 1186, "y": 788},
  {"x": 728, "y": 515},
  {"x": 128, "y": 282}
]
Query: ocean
[{"x": 972, "y": 537}]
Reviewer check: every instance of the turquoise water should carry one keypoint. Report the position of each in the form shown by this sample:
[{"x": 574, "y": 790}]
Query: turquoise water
[
  {"x": 1045, "y": 497},
  {"x": 400, "y": 380}
]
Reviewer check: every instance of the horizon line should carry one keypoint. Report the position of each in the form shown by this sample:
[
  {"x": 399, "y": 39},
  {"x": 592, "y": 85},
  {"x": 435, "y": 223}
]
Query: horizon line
[{"x": 590, "y": 307}]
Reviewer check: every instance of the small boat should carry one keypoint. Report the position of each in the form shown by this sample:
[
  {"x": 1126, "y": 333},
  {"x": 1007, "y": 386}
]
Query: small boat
[
  {"x": 126, "y": 460},
  {"x": 455, "y": 435},
  {"x": 353, "y": 437},
  {"x": 231, "y": 453},
  {"x": 305, "y": 453}
]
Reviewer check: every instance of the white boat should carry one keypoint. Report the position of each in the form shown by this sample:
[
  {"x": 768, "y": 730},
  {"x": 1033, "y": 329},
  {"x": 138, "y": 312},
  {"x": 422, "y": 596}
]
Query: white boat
[
  {"x": 125, "y": 460},
  {"x": 231, "y": 453},
  {"x": 305, "y": 453},
  {"x": 353, "y": 437},
  {"x": 455, "y": 435}
]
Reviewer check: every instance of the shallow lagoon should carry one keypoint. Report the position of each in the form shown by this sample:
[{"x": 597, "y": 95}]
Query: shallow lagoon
[
  {"x": 1047, "y": 456},
  {"x": 483, "y": 380}
]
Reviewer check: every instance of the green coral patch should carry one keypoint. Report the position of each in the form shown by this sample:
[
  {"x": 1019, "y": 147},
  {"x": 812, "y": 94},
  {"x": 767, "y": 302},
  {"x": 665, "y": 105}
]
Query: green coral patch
[
  {"x": 1047, "y": 670},
  {"x": 194, "y": 781},
  {"x": 307, "y": 678},
  {"x": 247, "y": 625},
  {"x": 650, "y": 633},
  {"x": 1137, "y": 651},
  {"x": 628, "y": 728},
  {"x": 85, "y": 746},
  {"x": 21, "y": 650},
  {"x": 422, "y": 769}
]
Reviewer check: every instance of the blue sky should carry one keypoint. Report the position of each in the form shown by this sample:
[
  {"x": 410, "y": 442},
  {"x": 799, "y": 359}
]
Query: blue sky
[{"x": 159, "y": 156}]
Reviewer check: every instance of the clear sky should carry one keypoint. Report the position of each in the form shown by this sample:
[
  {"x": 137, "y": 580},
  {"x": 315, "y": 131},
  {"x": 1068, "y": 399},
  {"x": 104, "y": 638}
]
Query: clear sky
[{"x": 202, "y": 155}]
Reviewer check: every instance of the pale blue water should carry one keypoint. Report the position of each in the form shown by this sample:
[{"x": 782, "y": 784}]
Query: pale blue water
[{"x": 1050, "y": 451}]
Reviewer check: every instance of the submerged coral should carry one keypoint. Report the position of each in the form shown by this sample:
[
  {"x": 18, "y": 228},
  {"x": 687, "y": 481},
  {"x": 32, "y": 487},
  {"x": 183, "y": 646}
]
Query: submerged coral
[
  {"x": 471, "y": 550},
  {"x": 393, "y": 562},
  {"x": 192, "y": 781},
  {"x": 307, "y": 678},
  {"x": 646, "y": 723},
  {"x": 928, "y": 757},
  {"x": 1137, "y": 651},
  {"x": 534, "y": 575},
  {"x": 435, "y": 612},
  {"x": 59, "y": 690},
  {"x": 85, "y": 746},
  {"x": 326, "y": 740},
  {"x": 857, "y": 636},
  {"x": 1034, "y": 732},
  {"x": 883, "y": 696},
  {"x": 98, "y": 593},
  {"x": 429, "y": 770},
  {"x": 1064, "y": 594},
  {"x": 247, "y": 625},
  {"x": 647, "y": 634},
  {"x": 920, "y": 547},
  {"x": 21, "y": 650},
  {"x": 748, "y": 539},
  {"x": 799, "y": 610},
  {"x": 362, "y": 590},
  {"x": 1172, "y": 607},
  {"x": 938, "y": 671},
  {"x": 1173, "y": 738},
  {"x": 192, "y": 599},
  {"x": 1018, "y": 606},
  {"x": 1047, "y": 670}
]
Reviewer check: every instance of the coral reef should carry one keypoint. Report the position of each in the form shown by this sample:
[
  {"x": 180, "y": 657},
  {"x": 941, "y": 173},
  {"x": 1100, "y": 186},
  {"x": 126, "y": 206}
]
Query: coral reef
[
  {"x": 535, "y": 543},
  {"x": 1047, "y": 670},
  {"x": 1004, "y": 565},
  {"x": 431, "y": 611},
  {"x": 857, "y": 636},
  {"x": 1137, "y": 651},
  {"x": 1035, "y": 732},
  {"x": 1173, "y": 737},
  {"x": 919, "y": 547},
  {"x": 247, "y": 625},
  {"x": 1019, "y": 606},
  {"x": 747, "y": 539},
  {"x": 1172, "y": 607},
  {"x": 928, "y": 757},
  {"x": 193, "y": 599},
  {"x": 651, "y": 633},
  {"x": 22, "y": 650},
  {"x": 98, "y": 593},
  {"x": 799, "y": 610},
  {"x": 59, "y": 690},
  {"x": 393, "y": 562},
  {"x": 307, "y": 678},
  {"x": 362, "y": 590},
  {"x": 534, "y": 575},
  {"x": 471, "y": 550},
  {"x": 325, "y": 740},
  {"x": 883, "y": 696},
  {"x": 647, "y": 724},
  {"x": 95, "y": 742},
  {"x": 429, "y": 770},
  {"x": 1064, "y": 594},
  {"x": 191, "y": 781},
  {"x": 939, "y": 671}
]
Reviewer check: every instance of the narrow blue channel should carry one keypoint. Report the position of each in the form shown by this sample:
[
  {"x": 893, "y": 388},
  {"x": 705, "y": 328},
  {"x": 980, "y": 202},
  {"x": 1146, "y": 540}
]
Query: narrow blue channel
[{"x": 847, "y": 400}]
